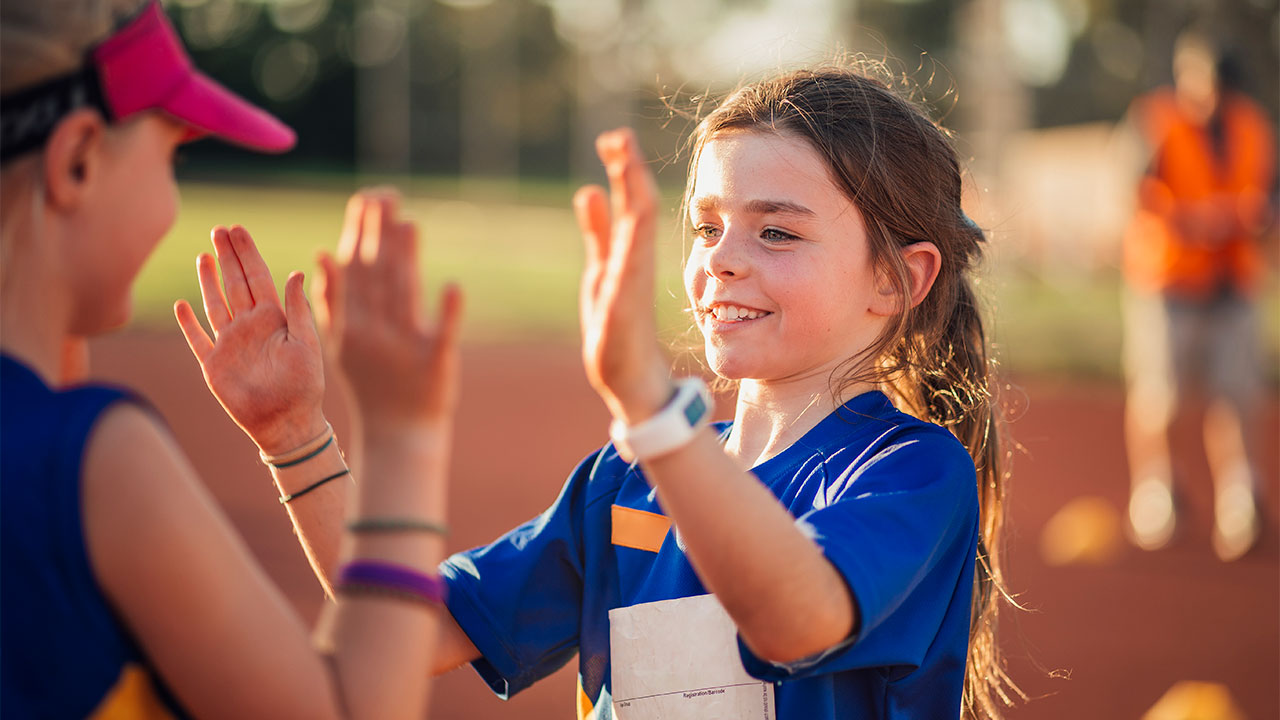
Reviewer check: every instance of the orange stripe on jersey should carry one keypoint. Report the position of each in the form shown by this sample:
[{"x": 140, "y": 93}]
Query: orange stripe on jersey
[
  {"x": 132, "y": 698},
  {"x": 584, "y": 703},
  {"x": 639, "y": 529}
]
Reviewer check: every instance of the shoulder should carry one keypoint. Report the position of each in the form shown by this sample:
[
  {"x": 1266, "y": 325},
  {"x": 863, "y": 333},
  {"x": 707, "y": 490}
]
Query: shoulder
[
  {"x": 602, "y": 474},
  {"x": 902, "y": 453},
  {"x": 45, "y": 435},
  {"x": 133, "y": 474},
  {"x": 128, "y": 435},
  {"x": 32, "y": 409},
  {"x": 1247, "y": 111}
]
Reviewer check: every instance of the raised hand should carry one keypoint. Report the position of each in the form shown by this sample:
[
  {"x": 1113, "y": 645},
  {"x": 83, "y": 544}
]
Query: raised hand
[
  {"x": 402, "y": 371},
  {"x": 264, "y": 362},
  {"x": 619, "y": 333}
]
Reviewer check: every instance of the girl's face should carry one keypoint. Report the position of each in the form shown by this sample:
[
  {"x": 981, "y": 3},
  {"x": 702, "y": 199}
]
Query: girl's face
[
  {"x": 780, "y": 275},
  {"x": 131, "y": 204}
]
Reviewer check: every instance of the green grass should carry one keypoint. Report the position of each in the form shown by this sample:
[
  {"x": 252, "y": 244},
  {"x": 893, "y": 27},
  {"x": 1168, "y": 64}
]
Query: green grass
[{"x": 518, "y": 261}]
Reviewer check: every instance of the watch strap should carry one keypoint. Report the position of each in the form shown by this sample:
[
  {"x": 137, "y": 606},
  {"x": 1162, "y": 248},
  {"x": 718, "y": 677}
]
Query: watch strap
[{"x": 672, "y": 427}]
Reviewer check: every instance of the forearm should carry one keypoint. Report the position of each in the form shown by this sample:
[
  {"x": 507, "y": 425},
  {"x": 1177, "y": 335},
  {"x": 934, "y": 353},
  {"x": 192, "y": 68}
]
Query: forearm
[
  {"x": 364, "y": 628},
  {"x": 319, "y": 518},
  {"x": 317, "y": 515},
  {"x": 786, "y": 598}
]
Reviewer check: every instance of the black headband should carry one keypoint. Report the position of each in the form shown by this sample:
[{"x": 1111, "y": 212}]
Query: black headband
[{"x": 28, "y": 117}]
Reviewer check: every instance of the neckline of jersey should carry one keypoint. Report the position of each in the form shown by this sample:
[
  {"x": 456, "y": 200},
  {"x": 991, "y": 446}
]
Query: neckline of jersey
[{"x": 870, "y": 404}]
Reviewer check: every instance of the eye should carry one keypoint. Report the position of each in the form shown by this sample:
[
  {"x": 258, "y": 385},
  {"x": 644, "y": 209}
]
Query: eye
[
  {"x": 706, "y": 232},
  {"x": 774, "y": 235}
]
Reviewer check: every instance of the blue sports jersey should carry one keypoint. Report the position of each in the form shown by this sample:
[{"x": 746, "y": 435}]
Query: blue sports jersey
[
  {"x": 891, "y": 500},
  {"x": 63, "y": 651}
]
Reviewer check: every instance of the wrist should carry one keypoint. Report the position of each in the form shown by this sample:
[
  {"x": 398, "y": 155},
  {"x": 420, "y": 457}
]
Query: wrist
[
  {"x": 293, "y": 438},
  {"x": 641, "y": 400},
  {"x": 424, "y": 442},
  {"x": 686, "y": 411},
  {"x": 290, "y": 437}
]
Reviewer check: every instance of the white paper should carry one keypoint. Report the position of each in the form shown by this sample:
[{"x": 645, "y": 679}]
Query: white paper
[{"x": 678, "y": 660}]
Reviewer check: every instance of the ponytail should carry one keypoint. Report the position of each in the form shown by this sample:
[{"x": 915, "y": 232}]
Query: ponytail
[
  {"x": 955, "y": 387},
  {"x": 945, "y": 376},
  {"x": 933, "y": 359}
]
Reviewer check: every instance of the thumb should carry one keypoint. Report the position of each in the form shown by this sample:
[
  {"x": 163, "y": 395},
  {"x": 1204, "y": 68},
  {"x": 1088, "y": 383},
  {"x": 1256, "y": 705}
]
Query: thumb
[
  {"x": 297, "y": 313},
  {"x": 325, "y": 295}
]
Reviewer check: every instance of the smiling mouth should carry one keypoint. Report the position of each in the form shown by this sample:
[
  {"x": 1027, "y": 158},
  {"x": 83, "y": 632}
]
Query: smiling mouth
[{"x": 734, "y": 313}]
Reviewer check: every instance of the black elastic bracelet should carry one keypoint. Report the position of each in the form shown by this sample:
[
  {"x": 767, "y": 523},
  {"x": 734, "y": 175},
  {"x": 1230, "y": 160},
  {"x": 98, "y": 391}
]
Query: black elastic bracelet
[
  {"x": 286, "y": 498},
  {"x": 304, "y": 458}
]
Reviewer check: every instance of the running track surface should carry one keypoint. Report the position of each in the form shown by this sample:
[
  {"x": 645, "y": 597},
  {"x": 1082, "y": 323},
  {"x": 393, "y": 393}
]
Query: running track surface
[{"x": 1101, "y": 641}]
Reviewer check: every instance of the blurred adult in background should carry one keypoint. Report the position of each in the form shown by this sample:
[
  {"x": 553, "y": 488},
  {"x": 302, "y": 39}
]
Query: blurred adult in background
[{"x": 1193, "y": 264}]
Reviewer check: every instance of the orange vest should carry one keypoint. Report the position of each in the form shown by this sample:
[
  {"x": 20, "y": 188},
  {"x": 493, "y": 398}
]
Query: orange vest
[{"x": 1161, "y": 250}]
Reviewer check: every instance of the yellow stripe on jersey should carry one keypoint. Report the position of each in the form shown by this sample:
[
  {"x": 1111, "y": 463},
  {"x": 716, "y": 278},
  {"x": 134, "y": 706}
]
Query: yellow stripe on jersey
[
  {"x": 639, "y": 529},
  {"x": 585, "y": 705},
  {"x": 132, "y": 698}
]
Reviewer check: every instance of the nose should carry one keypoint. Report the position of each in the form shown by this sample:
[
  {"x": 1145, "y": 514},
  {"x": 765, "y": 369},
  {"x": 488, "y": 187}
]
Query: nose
[{"x": 727, "y": 258}]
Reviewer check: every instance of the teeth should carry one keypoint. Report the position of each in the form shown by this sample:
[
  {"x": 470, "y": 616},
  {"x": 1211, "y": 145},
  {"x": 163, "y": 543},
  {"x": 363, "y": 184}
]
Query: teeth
[{"x": 733, "y": 313}]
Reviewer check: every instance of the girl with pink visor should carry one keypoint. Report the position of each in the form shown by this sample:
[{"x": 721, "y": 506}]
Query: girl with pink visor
[{"x": 126, "y": 592}]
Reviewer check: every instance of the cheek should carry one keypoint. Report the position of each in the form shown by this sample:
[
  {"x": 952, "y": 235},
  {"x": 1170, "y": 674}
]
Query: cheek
[
  {"x": 695, "y": 281},
  {"x": 156, "y": 214}
]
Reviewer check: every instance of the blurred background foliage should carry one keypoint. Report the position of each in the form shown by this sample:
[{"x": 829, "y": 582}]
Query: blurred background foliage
[{"x": 483, "y": 112}]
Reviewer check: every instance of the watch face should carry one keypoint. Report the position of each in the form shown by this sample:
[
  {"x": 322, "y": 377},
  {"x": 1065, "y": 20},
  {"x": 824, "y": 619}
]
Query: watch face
[{"x": 694, "y": 411}]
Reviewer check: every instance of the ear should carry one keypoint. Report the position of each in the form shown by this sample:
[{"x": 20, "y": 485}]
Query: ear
[
  {"x": 922, "y": 262},
  {"x": 72, "y": 157}
]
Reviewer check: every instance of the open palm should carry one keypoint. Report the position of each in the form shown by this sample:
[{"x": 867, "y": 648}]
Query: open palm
[
  {"x": 620, "y": 349},
  {"x": 264, "y": 363}
]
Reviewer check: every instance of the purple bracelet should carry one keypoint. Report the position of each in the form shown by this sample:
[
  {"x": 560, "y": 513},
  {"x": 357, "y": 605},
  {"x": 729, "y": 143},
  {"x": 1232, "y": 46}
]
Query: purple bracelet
[{"x": 373, "y": 576}]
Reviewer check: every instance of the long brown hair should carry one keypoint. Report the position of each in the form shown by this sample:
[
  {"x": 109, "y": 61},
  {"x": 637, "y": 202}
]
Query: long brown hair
[{"x": 900, "y": 170}]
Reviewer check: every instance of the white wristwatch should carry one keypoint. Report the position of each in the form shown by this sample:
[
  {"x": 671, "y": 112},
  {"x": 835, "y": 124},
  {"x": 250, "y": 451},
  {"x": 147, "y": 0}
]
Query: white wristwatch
[{"x": 673, "y": 426}]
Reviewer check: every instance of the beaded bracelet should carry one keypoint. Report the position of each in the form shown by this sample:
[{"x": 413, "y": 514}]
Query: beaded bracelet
[{"x": 384, "y": 578}]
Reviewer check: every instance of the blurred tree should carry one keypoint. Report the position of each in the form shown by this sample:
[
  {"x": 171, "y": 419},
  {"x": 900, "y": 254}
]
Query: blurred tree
[{"x": 491, "y": 87}]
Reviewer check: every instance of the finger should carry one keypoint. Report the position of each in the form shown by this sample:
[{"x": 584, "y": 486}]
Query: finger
[
  {"x": 256, "y": 273},
  {"x": 238, "y": 297},
  {"x": 448, "y": 330},
  {"x": 215, "y": 305},
  {"x": 634, "y": 196},
  {"x": 401, "y": 264},
  {"x": 450, "y": 321},
  {"x": 352, "y": 222},
  {"x": 591, "y": 208},
  {"x": 326, "y": 293},
  {"x": 366, "y": 293},
  {"x": 592, "y": 211},
  {"x": 297, "y": 312},
  {"x": 197, "y": 339},
  {"x": 632, "y": 187},
  {"x": 379, "y": 218}
]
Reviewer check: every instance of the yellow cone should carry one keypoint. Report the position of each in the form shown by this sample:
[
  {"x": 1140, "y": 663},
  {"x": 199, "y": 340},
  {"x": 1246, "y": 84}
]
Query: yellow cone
[
  {"x": 1189, "y": 700},
  {"x": 1085, "y": 531}
]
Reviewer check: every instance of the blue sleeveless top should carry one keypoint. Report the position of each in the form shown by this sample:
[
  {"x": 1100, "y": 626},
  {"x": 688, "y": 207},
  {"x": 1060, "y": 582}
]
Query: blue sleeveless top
[{"x": 63, "y": 651}]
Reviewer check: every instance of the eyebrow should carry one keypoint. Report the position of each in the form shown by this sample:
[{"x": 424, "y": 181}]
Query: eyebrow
[{"x": 759, "y": 207}]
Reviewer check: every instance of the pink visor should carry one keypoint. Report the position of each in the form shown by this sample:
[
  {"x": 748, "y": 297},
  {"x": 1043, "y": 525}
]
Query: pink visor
[{"x": 143, "y": 66}]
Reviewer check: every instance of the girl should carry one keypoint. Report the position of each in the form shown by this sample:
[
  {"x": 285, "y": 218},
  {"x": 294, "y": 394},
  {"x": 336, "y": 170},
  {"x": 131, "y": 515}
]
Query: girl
[
  {"x": 126, "y": 591},
  {"x": 831, "y": 553}
]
